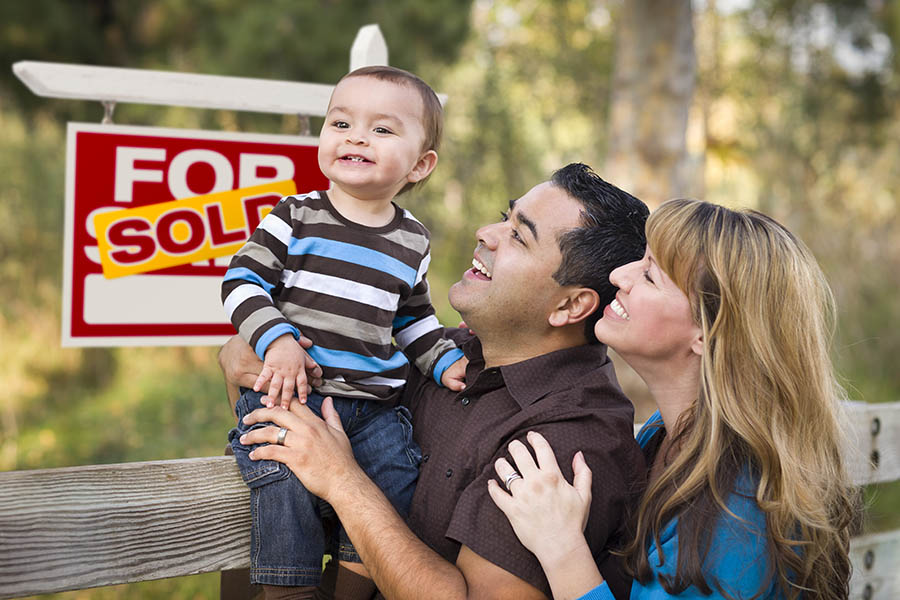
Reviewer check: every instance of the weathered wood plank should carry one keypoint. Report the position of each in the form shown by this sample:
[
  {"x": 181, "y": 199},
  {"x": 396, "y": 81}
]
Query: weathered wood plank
[
  {"x": 80, "y": 527},
  {"x": 873, "y": 437},
  {"x": 876, "y": 566}
]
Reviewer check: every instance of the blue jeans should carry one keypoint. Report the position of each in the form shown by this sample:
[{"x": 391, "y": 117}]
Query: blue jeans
[{"x": 287, "y": 536}]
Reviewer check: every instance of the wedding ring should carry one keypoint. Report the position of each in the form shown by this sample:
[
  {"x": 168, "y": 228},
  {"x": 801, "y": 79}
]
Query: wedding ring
[
  {"x": 282, "y": 433},
  {"x": 510, "y": 478}
]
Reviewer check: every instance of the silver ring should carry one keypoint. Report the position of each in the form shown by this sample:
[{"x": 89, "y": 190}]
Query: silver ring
[
  {"x": 282, "y": 433},
  {"x": 510, "y": 478}
]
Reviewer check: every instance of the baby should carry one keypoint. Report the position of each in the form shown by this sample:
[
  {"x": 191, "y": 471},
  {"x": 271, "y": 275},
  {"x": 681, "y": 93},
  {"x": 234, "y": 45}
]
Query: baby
[{"x": 346, "y": 268}]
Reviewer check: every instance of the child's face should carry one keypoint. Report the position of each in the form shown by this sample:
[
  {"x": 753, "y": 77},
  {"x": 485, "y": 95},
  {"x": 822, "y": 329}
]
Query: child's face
[{"x": 371, "y": 142}]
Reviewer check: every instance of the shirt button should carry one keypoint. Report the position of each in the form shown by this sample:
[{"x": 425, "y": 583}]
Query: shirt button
[
  {"x": 464, "y": 401},
  {"x": 449, "y": 472}
]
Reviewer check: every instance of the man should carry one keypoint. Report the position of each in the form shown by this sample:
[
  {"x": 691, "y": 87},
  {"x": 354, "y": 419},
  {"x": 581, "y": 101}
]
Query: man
[{"x": 538, "y": 284}]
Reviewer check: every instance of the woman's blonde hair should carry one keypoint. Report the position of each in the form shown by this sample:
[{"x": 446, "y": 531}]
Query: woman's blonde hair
[{"x": 768, "y": 404}]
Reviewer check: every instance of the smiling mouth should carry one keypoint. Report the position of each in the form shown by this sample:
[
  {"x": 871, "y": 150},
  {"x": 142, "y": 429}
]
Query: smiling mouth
[
  {"x": 617, "y": 308},
  {"x": 478, "y": 267},
  {"x": 355, "y": 159}
]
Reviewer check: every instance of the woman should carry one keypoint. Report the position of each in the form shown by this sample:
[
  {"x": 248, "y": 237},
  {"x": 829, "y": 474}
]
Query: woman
[{"x": 726, "y": 318}]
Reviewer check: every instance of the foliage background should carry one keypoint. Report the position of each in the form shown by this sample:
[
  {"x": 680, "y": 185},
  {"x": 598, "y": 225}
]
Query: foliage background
[{"x": 795, "y": 112}]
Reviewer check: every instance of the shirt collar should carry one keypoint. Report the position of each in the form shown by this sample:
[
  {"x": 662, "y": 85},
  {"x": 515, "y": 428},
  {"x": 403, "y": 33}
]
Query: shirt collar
[{"x": 530, "y": 380}]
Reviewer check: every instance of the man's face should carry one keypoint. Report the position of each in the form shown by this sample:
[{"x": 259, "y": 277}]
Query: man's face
[{"x": 510, "y": 288}]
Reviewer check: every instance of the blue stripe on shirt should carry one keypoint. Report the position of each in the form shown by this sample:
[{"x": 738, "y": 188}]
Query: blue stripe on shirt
[
  {"x": 273, "y": 334},
  {"x": 356, "y": 362},
  {"x": 353, "y": 254},
  {"x": 246, "y": 274},
  {"x": 449, "y": 357},
  {"x": 401, "y": 321}
]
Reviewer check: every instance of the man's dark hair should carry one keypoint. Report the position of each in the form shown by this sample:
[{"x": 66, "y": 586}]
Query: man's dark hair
[{"x": 611, "y": 235}]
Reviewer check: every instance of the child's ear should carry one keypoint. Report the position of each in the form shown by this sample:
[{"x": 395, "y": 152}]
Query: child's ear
[
  {"x": 424, "y": 167},
  {"x": 576, "y": 306}
]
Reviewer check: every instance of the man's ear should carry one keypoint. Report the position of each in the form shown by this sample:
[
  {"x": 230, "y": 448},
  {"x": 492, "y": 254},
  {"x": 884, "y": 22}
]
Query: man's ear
[
  {"x": 576, "y": 306},
  {"x": 423, "y": 168}
]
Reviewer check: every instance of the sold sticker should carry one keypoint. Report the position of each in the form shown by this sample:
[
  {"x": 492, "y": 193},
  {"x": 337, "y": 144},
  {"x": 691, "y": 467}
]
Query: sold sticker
[{"x": 169, "y": 234}]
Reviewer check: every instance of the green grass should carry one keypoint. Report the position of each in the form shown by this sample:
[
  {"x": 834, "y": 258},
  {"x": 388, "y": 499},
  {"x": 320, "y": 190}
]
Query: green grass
[{"x": 195, "y": 587}]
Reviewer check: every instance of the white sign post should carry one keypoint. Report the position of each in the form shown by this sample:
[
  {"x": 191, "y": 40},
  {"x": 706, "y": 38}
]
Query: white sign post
[{"x": 144, "y": 86}]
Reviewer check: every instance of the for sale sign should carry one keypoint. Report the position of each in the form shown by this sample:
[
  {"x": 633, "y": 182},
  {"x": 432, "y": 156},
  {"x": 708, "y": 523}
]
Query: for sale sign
[{"x": 152, "y": 218}]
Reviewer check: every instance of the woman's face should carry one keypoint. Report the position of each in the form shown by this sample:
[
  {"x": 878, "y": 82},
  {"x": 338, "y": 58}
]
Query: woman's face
[{"x": 650, "y": 318}]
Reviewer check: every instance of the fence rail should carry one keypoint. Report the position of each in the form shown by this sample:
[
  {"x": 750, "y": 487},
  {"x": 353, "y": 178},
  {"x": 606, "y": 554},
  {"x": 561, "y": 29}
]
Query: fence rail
[{"x": 80, "y": 527}]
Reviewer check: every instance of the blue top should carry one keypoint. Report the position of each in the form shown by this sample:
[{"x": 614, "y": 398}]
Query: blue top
[{"x": 738, "y": 558}]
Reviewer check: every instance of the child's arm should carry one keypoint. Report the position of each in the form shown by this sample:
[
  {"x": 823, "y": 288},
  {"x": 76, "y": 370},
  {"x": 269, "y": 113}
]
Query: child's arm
[
  {"x": 454, "y": 378},
  {"x": 252, "y": 278},
  {"x": 419, "y": 334}
]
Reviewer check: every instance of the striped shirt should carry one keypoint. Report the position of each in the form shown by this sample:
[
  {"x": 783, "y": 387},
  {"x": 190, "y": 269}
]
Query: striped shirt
[{"x": 349, "y": 288}]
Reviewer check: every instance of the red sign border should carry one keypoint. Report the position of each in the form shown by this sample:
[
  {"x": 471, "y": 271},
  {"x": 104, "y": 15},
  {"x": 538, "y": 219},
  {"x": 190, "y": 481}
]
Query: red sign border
[{"x": 144, "y": 334}]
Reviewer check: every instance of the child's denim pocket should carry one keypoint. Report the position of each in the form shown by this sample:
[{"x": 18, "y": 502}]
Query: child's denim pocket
[
  {"x": 254, "y": 472},
  {"x": 412, "y": 448}
]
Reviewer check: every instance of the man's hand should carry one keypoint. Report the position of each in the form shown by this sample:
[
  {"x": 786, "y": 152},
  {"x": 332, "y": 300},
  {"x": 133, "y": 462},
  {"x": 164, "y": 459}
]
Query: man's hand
[
  {"x": 284, "y": 368},
  {"x": 454, "y": 377},
  {"x": 317, "y": 451}
]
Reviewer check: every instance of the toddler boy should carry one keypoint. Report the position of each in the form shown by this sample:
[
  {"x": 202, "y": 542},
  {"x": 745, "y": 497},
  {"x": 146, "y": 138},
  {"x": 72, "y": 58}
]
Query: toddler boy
[{"x": 346, "y": 268}]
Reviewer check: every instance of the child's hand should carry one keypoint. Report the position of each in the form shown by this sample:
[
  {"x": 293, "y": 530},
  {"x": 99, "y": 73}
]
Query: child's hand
[
  {"x": 462, "y": 325},
  {"x": 313, "y": 370},
  {"x": 454, "y": 378},
  {"x": 284, "y": 368}
]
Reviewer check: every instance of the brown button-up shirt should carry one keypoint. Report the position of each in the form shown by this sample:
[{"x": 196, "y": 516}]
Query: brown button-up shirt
[{"x": 573, "y": 399}]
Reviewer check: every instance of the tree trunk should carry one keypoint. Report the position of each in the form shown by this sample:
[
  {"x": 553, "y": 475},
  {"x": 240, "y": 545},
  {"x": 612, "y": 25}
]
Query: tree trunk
[{"x": 653, "y": 83}]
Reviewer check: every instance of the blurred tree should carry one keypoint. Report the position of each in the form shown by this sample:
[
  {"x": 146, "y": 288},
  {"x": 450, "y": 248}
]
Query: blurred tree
[
  {"x": 526, "y": 96},
  {"x": 802, "y": 123},
  {"x": 652, "y": 93},
  {"x": 282, "y": 39}
]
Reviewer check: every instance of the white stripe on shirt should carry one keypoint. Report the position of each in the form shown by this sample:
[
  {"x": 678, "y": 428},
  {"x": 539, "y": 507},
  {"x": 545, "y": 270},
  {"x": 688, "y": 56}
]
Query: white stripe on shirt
[
  {"x": 241, "y": 293},
  {"x": 342, "y": 288}
]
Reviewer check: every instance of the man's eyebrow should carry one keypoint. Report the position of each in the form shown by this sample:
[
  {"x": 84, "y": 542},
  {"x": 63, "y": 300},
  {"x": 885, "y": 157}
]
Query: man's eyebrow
[{"x": 520, "y": 218}]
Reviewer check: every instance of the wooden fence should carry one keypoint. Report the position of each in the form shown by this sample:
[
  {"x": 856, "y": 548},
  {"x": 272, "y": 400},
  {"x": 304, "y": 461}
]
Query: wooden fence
[{"x": 82, "y": 527}]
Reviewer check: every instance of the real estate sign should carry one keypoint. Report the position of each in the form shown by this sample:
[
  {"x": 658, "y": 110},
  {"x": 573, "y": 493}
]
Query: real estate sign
[{"x": 152, "y": 218}]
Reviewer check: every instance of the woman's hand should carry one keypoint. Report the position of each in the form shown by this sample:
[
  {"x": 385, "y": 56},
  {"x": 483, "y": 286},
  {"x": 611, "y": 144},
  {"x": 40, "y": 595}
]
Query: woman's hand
[
  {"x": 316, "y": 450},
  {"x": 549, "y": 515},
  {"x": 541, "y": 506}
]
